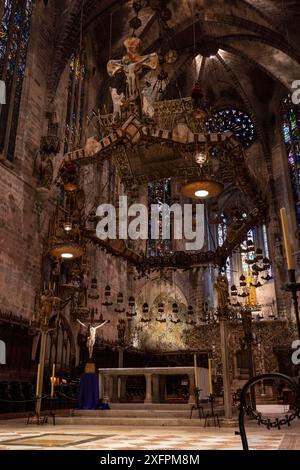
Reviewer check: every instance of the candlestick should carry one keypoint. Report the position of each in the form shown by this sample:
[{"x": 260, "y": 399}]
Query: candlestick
[
  {"x": 196, "y": 370},
  {"x": 294, "y": 287},
  {"x": 210, "y": 376},
  {"x": 286, "y": 239},
  {"x": 37, "y": 380},
  {"x": 52, "y": 380}
]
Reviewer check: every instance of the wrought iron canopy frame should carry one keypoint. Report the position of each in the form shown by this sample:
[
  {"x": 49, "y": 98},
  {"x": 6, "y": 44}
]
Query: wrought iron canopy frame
[{"x": 232, "y": 166}]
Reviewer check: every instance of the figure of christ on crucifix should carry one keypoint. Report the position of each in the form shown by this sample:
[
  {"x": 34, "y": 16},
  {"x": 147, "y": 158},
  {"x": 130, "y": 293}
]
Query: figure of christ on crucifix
[
  {"x": 131, "y": 65},
  {"x": 91, "y": 335}
]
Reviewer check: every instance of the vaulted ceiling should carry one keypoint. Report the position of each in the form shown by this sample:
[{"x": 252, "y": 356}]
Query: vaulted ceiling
[
  {"x": 264, "y": 31},
  {"x": 257, "y": 45}
]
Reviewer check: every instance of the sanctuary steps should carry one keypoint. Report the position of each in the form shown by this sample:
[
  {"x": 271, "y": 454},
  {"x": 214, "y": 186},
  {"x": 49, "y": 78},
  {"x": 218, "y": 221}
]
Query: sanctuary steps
[{"x": 135, "y": 415}]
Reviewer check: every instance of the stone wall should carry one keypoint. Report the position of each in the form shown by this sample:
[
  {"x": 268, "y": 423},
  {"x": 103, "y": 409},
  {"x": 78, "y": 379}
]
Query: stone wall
[{"x": 23, "y": 219}]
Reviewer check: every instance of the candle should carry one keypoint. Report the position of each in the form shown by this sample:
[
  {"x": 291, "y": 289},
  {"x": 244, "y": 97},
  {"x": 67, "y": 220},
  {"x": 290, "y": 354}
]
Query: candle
[
  {"x": 37, "y": 380},
  {"x": 196, "y": 370},
  {"x": 286, "y": 239},
  {"x": 210, "y": 376},
  {"x": 52, "y": 380}
]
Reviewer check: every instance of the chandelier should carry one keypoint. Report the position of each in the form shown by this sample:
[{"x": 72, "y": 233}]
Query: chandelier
[
  {"x": 65, "y": 229},
  {"x": 207, "y": 186},
  {"x": 202, "y": 189},
  {"x": 258, "y": 274}
]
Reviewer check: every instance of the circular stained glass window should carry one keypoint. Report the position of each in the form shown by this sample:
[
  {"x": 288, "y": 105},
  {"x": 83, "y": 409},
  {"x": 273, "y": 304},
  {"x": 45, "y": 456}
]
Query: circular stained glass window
[{"x": 236, "y": 121}]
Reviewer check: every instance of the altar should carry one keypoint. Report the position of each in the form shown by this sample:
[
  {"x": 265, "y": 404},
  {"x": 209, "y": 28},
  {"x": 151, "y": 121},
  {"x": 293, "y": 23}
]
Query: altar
[{"x": 112, "y": 382}]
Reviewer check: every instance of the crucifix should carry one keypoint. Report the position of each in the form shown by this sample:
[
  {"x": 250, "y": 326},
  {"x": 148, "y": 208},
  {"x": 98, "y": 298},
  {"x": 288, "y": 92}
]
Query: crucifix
[
  {"x": 91, "y": 335},
  {"x": 132, "y": 65}
]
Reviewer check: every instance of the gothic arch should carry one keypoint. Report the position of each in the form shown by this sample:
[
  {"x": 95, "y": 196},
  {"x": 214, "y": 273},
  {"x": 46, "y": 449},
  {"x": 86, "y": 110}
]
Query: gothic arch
[
  {"x": 152, "y": 289},
  {"x": 71, "y": 336}
]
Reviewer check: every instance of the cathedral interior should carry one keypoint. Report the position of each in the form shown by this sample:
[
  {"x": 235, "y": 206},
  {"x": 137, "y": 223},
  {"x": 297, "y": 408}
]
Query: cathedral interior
[{"x": 110, "y": 111}]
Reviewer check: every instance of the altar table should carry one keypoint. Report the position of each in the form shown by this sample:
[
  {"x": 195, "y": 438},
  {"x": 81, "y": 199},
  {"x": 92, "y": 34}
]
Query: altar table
[{"x": 111, "y": 381}]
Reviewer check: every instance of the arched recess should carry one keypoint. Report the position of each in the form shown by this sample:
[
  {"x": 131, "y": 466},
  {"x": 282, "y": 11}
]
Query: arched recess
[
  {"x": 166, "y": 331},
  {"x": 60, "y": 346},
  {"x": 154, "y": 288}
]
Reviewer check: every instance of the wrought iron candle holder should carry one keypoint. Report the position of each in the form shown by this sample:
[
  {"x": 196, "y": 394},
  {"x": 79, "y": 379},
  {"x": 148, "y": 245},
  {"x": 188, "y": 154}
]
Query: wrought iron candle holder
[
  {"x": 197, "y": 405},
  {"x": 294, "y": 287},
  {"x": 212, "y": 414}
]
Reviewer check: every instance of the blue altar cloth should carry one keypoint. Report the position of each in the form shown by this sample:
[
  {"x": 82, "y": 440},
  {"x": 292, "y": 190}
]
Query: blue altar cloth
[{"x": 88, "y": 392}]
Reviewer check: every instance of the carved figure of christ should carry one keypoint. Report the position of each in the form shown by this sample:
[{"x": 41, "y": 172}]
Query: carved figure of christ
[
  {"x": 91, "y": 335},
  {"x": 132, "y": 70}
]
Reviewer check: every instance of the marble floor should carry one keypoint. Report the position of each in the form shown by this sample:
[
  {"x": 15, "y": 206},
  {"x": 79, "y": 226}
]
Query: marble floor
[{"x": 16, "y": 435}]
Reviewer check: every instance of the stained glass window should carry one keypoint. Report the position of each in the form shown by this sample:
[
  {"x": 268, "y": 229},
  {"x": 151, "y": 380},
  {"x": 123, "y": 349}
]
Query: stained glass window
[
  {"x": 291, "y": 131},
  {"x": 159, "y": 193},
  {"x": 236, "y": 121},
  {"x": 265, "y": 241},
  {"x": 222, "y": 233},
  {"x": 251, "y": 235},
  {"x": 221, "y": 237},
  {"x": 14, "y": 36},
  {"x": 75, "y": 104}
]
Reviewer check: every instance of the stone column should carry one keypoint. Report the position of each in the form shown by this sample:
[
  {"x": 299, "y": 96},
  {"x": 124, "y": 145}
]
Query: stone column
[
  {"x": 225, "y": 369},
  {"x": 106, "y": 388},
  {"x": 148, "y": 397},
  {"x": 235, "y": 375},
  {"x": 192, "y": 388},
  {"x": 120, "y": 366}
]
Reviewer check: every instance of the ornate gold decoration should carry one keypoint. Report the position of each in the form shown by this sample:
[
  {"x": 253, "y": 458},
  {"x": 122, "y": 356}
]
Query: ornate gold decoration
[{"x": 222, "y": 289}]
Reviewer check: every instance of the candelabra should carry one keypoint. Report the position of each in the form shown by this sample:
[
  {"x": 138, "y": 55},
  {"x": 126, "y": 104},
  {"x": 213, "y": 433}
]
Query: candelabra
[
  {"x": 294, "y": 287},
  {"x": 258, "y": 273},
  {"x": 48, "y": 301},
  {"x": 244, "y": 314}
]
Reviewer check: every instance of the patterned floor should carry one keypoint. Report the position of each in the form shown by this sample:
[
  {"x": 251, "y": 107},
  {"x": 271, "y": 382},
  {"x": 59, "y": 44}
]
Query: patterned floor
[{"x": 15, "y": 435}]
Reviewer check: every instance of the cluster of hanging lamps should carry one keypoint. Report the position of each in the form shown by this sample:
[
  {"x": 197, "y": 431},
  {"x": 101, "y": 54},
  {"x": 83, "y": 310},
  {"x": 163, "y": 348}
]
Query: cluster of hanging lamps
[
  {"x": 107, "y": 294},
  {"x": 175, "y": 308}
]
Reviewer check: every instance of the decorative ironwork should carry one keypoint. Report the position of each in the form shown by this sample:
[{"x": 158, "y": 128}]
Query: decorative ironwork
[
  {"x": 212, "y": 415},
  {"x": 294, "y": 287},
  {"x": 75, "y": 103},
  {"x": 246, "y": 409},
  {"x": 159, "y": 193}
]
